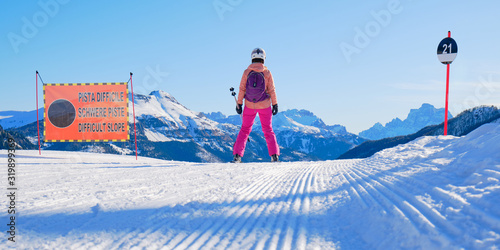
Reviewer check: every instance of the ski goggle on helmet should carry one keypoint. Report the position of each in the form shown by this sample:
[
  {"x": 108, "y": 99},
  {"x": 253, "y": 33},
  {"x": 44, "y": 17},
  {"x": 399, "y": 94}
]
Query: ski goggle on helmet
[{"x": 259, "y": 53}]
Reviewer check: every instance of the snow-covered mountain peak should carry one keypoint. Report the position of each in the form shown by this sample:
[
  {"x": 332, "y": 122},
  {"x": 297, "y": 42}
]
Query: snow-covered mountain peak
[
  {"x": 160, "y": 94},
  {"x": 288, "y": 123},
  {"x": 303, "y": 117},
  {"x": 378, "y": 125},
  {"x": 170, "y": 113},
  {"x": 160, "y": 103},
  {"x": 295, "y": 120},
  {"x": 417, "y": 119},
  {"x": 422, "y": 115}
]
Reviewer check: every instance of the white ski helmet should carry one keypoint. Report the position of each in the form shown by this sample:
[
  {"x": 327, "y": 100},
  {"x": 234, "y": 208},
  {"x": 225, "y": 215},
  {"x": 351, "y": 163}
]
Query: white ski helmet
[{"x": 259, "y": 53}]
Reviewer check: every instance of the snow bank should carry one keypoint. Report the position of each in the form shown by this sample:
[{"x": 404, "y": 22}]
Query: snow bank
[{"x": 432, "y": 193}]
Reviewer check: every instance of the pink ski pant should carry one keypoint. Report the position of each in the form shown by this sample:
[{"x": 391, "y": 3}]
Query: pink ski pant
[{"x": 266, "y": 117}]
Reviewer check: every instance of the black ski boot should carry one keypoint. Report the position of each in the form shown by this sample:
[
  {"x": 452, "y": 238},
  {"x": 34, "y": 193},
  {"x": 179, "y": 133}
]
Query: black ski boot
[
  {"x": 236, "y": 159},
  {"x": 275, "y": 158}
]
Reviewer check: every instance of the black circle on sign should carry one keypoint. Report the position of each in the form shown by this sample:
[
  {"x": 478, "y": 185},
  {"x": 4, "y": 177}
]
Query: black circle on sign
[
  {"x": 61, "y": 113},
  {"x": 447, "y": 46},
  {"x": 447, "y": 50}
]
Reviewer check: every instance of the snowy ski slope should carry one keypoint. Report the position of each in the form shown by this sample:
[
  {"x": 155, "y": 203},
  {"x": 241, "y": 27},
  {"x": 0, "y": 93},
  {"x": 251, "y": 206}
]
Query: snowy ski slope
[{"x": 432, "y": 193}]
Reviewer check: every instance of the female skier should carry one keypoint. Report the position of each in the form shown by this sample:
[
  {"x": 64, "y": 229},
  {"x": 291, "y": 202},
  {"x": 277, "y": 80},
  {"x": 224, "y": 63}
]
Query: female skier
[{"x": 257, "y": 88}]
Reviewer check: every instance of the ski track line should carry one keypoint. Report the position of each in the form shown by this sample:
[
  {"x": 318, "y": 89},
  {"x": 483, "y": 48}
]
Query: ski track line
[
  {"x": 244, "y": 239},
  {"x": 245, "y": 208},
  {"x": 411, "y": 212},
  {"x": 242, "y": 204},
  {"x": 449, "y": 199},
  {"x": 481, "y": 219},
  {"x": 208, "y": 227},
  {"x": 368, "y": 200},
  {"x": 281, "y": 239},
  {"x": 321, "y": 180},
  {"x": 332, "y": 171},
  {"x": 126, "y": 242},
  {"x": 300, "y": 238},
  {"x": 263, "y": 227},
  {"x": 251, "y": 217},
  {"x": 277, "y": 222},
  {"x": 431, "y": 215},
  {"x": 84, "y": 245},
  {"x": 240, "y": 229},
  {"x": 160, "y": 226},
  {"x": 133, "y": 238},
  {"x": 281, "y": 186},
  {"x": 387, "y": 204},
  {"x": 311, "y": 185},
  {"x": 296, "y": 203},
  {"x": 65, "y": 180},
  {"x": 353, "y": 191}
]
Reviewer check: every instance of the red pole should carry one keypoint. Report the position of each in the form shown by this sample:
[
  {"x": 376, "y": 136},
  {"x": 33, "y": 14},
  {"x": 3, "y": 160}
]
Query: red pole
[
  {"x": 447, "y": 92},
  {"x": 446, "y": 105},
  {"x": 37, "y": 119},
  {"x": 133, "y": 113}
]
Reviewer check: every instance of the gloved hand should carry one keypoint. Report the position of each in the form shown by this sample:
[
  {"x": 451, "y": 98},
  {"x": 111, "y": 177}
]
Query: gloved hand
[
  {"x": 275, "y": 109},
  {"x": 239, "y": 108}
]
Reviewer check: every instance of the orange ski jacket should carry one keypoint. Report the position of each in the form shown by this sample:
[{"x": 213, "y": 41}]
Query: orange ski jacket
[{"x": 270, "y": 89}]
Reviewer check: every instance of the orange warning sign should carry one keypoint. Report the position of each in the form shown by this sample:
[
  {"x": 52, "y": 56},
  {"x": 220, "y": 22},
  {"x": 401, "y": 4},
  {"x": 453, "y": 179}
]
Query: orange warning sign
[{"x": 85, "y": 112}]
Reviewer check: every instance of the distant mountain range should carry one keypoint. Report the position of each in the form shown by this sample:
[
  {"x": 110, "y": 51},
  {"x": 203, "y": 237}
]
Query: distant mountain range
[
  {"x": 417, "y": 119},
  {"x": 462, "y": 124},
  {"x": 15, "y": 119},
  {"x": 302, "y": 132},
  {"x": 166, "y": 129},
  {"x": 296, "y": 120}
]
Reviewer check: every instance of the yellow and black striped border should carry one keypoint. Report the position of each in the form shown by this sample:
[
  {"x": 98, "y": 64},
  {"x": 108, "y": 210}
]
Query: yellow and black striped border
[
  {"x": 123, "y": 140},
  {"x": 84, "y": 84}
]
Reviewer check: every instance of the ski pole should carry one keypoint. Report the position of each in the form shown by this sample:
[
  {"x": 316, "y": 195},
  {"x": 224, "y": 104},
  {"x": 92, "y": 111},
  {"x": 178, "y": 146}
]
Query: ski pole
[
  {"x": 233, "y": 94},
  {"x": 236, "y": 101},
  {"x": 241, "y": 115}
]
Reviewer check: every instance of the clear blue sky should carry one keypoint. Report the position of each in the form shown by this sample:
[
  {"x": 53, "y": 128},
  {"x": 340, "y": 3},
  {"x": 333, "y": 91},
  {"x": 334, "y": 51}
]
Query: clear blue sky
[{"x": 196, "y": 51}]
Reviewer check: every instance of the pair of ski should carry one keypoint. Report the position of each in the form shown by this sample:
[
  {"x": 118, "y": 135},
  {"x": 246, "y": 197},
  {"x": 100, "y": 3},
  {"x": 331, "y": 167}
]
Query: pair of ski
[{"x": 239, "y": 161}]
